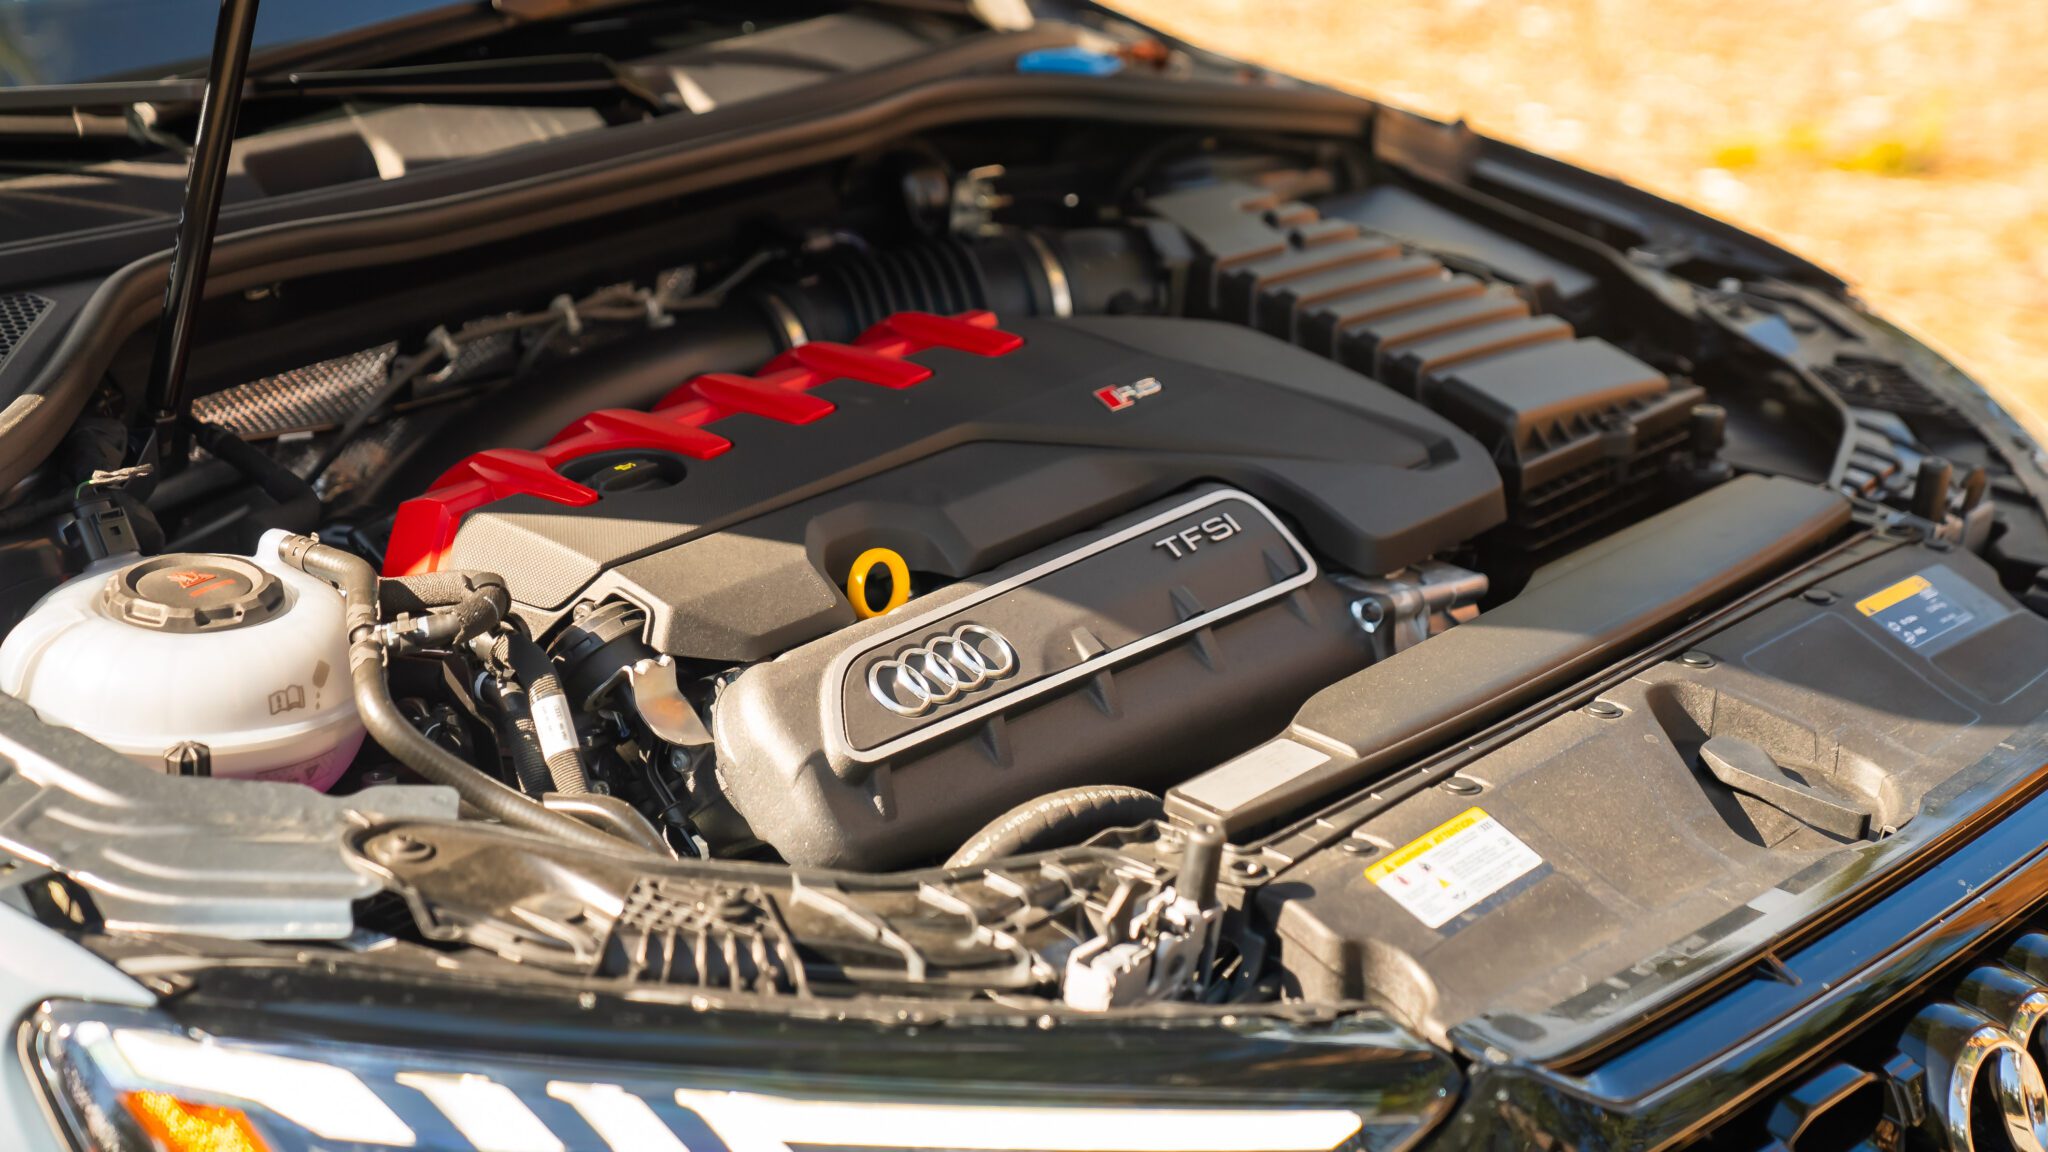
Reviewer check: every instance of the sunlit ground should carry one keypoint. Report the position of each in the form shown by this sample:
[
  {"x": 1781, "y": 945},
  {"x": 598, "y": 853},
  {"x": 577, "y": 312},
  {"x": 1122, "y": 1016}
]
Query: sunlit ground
[{"x": 1903, "y": 145}]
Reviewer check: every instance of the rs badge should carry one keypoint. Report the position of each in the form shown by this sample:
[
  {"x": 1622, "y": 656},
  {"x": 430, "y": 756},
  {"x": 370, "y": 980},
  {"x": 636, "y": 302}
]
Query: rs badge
[{"x": 1118, "y": 397}]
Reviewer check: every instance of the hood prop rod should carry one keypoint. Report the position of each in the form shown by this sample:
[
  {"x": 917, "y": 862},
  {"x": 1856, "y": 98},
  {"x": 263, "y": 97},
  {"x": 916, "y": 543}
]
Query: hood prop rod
[{"x": 205, "y": 178}]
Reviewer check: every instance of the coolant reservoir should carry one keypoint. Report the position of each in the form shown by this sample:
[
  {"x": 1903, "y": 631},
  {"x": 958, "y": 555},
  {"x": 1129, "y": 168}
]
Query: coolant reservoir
[{"x": 244, "y": 656}]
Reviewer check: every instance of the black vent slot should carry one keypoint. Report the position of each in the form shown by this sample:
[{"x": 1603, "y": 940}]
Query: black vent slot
[
  {"x": 20, "y": 312},
  {"x": 1869, "y": 382}
]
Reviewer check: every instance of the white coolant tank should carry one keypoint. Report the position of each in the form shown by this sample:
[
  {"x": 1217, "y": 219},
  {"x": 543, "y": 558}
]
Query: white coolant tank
[{"x": 244, "y": 655}]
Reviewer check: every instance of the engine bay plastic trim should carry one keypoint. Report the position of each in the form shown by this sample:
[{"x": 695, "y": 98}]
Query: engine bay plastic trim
[{"x": 841, "y": 744}]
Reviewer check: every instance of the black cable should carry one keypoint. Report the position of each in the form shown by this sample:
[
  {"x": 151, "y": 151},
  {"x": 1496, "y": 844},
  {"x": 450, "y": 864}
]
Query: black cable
[
  {"x": 402, "y": 373},
  {"x": 298, "y": 507},
  {"x": 23, "y": 515},
  {"x": 389, "y": 727},
  {"x": 426, "y": 591},
  {"x": 1057, "y": 820}
]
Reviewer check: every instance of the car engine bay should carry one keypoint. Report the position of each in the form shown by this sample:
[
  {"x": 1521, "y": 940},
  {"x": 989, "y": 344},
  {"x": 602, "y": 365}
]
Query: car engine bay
[{"x": 1163, "y": 571}]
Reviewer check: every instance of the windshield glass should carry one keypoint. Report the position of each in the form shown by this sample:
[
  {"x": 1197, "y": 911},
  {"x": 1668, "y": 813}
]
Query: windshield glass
[{"x": 79, "y": 41}]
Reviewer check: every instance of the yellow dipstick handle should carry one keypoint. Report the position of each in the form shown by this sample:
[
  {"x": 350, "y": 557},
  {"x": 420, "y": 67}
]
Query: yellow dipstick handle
[{"x": 857, "y": 582}]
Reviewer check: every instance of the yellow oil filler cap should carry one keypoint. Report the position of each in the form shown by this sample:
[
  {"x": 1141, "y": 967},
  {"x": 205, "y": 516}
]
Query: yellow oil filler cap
[{"x": 864, "y": 567}]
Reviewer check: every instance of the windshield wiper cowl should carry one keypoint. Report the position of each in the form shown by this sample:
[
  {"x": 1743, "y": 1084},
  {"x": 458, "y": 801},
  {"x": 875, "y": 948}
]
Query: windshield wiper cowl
[{"x": 577, "y": 79}]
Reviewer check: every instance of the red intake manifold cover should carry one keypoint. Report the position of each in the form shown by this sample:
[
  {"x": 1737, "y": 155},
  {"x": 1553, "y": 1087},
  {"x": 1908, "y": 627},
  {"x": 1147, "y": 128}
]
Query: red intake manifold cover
[{"x": 427, "y": 525}]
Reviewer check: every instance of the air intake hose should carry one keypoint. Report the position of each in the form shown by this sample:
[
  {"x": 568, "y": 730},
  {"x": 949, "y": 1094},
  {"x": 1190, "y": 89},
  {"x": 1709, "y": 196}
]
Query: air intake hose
[{"x": 1022, "y": 272}]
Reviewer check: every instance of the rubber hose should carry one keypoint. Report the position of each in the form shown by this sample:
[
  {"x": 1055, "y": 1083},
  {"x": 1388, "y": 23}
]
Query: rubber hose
[
  {"x": 196, "y": 481},
  {"x": 23, "y": 515},
  {"x": 470, "y": 617},
  {"x": 1057, "y": 820},
  {"x": 298, "y": 505},
  {"x": 549, "y": 705},
  {"x": 389, "y": 727},
  {"x": 515, "y": 729},
  {"x": 429, "y": 590},
  {"x": 449, "y": 609}
]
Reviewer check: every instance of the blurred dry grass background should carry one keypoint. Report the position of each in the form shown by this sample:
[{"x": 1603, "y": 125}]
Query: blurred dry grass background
[{"x": 1902, "y": 144}]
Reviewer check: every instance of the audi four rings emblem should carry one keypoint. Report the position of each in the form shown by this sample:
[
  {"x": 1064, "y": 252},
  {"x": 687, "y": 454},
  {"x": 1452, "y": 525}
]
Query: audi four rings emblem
[
  {"x": 1983, "y": 1087},
  {"x": 941, "y": 670}
]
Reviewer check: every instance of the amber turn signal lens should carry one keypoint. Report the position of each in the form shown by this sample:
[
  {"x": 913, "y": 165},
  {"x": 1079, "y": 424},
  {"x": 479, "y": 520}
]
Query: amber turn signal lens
[{"x": 178, "y": 1126}]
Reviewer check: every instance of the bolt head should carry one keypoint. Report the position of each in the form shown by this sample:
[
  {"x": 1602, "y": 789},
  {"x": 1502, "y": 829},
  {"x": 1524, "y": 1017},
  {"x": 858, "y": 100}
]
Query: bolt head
[
  {"x": 1696, "y": 659},
  {"x": 401, "y": 849},
  {"x": 1604, "y": 709},
  {"x": 1817, "y": 596},
  {"x": 1462, "y": 786},
  {"x": 1368, "y": 614}
]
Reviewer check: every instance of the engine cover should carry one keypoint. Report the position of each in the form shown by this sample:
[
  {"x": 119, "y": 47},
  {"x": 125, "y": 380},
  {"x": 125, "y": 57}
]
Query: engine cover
[
  {"x": 1132, "y": 654},
  {"x": 731, "y": 513},
  {"x": 1125, "y": 531}
]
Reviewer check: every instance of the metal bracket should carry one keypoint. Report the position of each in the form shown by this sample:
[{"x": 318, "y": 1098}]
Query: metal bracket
[
  {"x": 659, "y": 700},
  {"x": 1410, "y": 607}
]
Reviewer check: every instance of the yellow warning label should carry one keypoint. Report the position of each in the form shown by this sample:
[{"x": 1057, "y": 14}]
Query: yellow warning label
[
  {"x": 1454, "y": 867},
  {"x": 1414, "y": 849},
  {"x": 1877, "y": 602}
]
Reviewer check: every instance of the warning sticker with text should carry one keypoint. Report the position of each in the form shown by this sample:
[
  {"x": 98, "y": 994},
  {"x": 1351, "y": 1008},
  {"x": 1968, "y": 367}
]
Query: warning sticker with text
[
  {"x": 1454, "y": 866},
  {"x": 1932, "y": 608}
]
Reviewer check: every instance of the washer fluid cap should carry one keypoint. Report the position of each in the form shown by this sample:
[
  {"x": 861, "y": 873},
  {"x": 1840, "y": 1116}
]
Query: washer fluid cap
[
  {"x": 239, "y": 663},
  {"x": 188, "y": 592}
]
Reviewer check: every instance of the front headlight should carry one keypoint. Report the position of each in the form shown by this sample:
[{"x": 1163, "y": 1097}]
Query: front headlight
[{"x": 121, "y": 1080}]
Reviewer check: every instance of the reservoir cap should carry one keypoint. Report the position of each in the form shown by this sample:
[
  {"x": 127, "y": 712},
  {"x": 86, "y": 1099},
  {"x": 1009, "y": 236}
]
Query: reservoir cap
[{"x": 193, "y": 592}]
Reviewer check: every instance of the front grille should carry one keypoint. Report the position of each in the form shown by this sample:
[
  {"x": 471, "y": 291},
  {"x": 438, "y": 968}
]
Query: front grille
[{"x": 1950, "y": 1071}]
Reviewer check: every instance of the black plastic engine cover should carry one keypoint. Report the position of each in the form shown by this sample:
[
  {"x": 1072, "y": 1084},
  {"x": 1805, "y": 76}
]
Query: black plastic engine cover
[
  {"x": 1131, "y": 654},
  {"x": 742, "y": 557}
]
